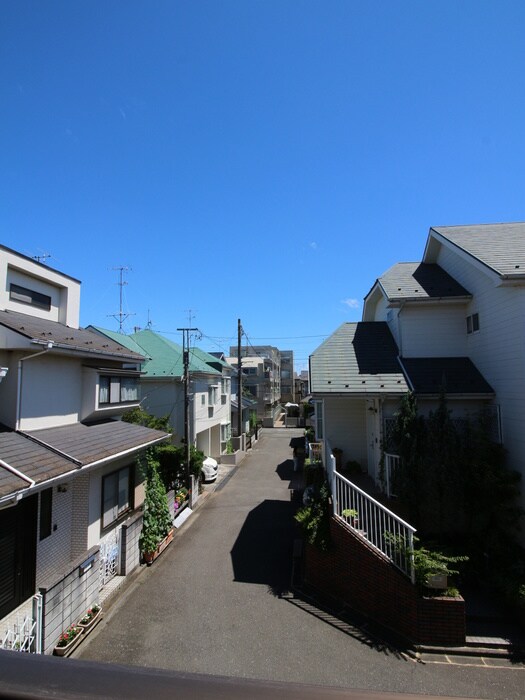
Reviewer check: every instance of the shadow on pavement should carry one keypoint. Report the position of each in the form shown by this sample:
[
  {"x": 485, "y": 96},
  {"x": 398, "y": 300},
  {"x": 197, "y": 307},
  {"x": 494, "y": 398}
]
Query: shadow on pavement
[
  {"x": 262, "y": 552},
  {"x": 285, "y": 470}
]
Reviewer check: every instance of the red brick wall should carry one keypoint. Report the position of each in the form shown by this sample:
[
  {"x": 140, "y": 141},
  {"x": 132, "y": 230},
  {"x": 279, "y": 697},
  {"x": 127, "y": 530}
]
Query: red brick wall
[{"x": 358, "y": 575}]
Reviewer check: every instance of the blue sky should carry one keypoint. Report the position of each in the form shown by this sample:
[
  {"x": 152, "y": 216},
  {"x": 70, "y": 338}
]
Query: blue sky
[{"x": 256, "y": 159}]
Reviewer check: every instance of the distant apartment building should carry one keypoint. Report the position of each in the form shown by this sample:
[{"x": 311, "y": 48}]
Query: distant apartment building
[
  {"x": 287, "y": 377},
  {"x": 261, "y": 365}
]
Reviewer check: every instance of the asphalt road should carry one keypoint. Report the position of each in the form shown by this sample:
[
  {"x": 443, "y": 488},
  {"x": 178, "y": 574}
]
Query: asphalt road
[{"x": 212, "y": 604}]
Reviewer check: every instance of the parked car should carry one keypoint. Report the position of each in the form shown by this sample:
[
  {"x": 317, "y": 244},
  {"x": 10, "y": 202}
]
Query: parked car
[{"x": 210, "y": 468}]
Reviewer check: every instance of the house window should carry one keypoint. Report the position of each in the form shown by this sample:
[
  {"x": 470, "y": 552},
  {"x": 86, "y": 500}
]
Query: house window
[
  {"x": 30, "y": 297},
  {"x": 46, "y": 510},
  {"x": 203, "y": 399},
  {"x": 212, "y": 395},
  {"x": 473, "y": 323},
  {"x": 117, "y": 390},
  {"x": 226, "y": 432},
  {"x": 116, "y": 495}
]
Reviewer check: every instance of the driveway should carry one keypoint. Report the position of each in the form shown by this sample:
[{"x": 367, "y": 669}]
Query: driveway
[{"x": 213, "y": 604}]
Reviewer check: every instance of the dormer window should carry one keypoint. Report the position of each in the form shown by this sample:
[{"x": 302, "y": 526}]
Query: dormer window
[
  {"x": 117, "y": 390},
  {"x": 28, "y": 296}
]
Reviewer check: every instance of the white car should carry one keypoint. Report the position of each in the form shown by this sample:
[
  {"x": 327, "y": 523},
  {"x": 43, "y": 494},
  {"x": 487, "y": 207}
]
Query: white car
[{"x": 209, "y": 469}]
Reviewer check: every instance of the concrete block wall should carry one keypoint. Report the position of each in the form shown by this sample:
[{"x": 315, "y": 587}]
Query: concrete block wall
[
  {"x": 359, "y": 576},
  {"x": 130, "y": 552},
  {"x": 69, "y": 597}
]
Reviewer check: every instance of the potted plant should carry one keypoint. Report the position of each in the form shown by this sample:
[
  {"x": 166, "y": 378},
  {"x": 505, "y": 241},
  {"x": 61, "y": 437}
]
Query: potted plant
[{"x": 68, "y": 640}]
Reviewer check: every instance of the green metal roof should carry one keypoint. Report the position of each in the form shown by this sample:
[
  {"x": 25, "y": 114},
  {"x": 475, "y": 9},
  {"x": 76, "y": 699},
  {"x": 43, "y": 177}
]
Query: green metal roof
[
  {"x": 211, "y": 360},
  {"x": 124, "y": 340},
  {"x": 166, "y": 356}
]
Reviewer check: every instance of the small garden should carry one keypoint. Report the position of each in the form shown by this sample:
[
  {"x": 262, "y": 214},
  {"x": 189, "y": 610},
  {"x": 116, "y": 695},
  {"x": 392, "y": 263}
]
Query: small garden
[{"x": 457, "y": 491}]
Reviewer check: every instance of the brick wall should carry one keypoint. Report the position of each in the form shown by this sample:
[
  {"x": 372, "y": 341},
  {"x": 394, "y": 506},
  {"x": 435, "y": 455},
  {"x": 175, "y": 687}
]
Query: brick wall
[
  {"x": 359, "y": 576},
  {"x": 69, "y": 597}
]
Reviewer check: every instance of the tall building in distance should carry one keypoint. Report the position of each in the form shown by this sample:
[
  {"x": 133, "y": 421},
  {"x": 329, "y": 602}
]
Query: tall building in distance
[{"x": 262, "y": 366}]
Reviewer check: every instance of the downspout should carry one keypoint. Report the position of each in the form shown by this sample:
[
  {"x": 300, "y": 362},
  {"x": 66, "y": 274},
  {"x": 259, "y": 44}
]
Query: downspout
[{"x": 19, "y": 384}]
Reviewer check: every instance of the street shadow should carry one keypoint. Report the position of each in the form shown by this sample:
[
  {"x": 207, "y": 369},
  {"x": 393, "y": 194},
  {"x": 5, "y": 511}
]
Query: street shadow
[
  {"x": 285, "y": 470},
  {"x": 262, "y": 552}
]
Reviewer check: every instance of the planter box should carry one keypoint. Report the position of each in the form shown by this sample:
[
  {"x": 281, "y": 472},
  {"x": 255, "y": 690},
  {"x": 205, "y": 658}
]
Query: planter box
[
  {"x": 68, "y": 648},
  {"x": 88, "y": 626},
  {"x": 149, "y": 557},
  {"x": 232, "y": 459}
]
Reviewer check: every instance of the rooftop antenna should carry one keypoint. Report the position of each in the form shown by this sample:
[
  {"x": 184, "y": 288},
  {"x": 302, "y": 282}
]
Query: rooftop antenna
[
  {"x": 42, "y": 258},
  {"x": 121, "y": 316},
  {"x": 191, "y": 315},
  {"x": 150, "y": 322}
]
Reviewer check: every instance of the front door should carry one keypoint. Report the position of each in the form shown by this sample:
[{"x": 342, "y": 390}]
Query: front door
[{"x": 17, "y": 553}]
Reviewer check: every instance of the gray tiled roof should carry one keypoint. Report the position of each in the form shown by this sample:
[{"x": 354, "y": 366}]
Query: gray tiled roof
[
  {"x": 457, "y": 375},
  {"x": 359, "y": 358},
  {"x": 45, "y": 454},
  {"x": 91, "y": 443},
  {"x": 29, "y": 458},
  {"x": 419, "y": 281},
  {"x": 43, "y": 330},
  {"x": 499, "y": 246}
]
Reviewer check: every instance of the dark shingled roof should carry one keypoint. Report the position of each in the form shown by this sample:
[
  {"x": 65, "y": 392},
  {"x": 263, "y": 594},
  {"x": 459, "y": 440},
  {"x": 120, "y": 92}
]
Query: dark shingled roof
[
  {"x": 420, "y": 281},
  {"x": 359, "y": 358},
  {"x": 31, "y": 459},
  {"x": 91, "y": 443},
  {"x": 457, "y": 375},
  {"x": 45, "y": 454},
  {"x": 44, "y": 330}
]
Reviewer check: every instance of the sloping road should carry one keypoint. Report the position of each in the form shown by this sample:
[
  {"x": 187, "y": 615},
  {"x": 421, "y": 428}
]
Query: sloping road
[{"x": 210, "y": 604}]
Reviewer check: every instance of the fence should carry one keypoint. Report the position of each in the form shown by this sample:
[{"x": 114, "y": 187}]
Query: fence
[{"x": 24, "y": 630}]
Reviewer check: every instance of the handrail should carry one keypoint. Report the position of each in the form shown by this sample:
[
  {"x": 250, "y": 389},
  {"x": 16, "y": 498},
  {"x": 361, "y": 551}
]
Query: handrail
[{"x": 374, "y": 522}]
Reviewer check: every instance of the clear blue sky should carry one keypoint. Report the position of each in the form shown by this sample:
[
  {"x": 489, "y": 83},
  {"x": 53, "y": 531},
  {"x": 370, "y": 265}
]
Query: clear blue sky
[{"x": 256, "y": 159}]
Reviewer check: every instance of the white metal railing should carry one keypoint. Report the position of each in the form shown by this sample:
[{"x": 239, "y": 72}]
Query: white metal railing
[
  {"x": 391, "y": 466},
  {"x": 24, "y": 632},
  {"x": 373, "y": 521}
]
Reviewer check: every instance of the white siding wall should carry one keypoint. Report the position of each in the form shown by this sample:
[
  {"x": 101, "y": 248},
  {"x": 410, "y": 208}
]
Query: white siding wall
[
  {"x": 165, "y": 398},
  {"x": 64, "y": 291},
  {"x": 51, "y": 392},
  {"x": 345, "y": 427},
  {"x": 498, "y": 349},
  {"x": 432, "y": 331}
]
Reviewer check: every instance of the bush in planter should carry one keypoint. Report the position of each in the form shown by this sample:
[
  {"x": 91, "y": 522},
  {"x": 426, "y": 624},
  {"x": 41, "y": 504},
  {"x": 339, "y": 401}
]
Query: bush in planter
[
  {"x": 156, "y": 521},
  {"x": 314, "y": 516}
]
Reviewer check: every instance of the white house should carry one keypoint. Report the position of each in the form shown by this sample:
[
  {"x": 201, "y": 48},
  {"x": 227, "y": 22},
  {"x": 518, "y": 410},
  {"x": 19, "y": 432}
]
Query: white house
[
  {"x": 454, "y": 319},
  {"x": 69, "y": 486},
  {"x": 162, "y": 389}
]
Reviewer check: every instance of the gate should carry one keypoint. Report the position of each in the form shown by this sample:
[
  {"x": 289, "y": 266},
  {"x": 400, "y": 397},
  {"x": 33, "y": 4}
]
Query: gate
[{"x": 109, "y": 556}]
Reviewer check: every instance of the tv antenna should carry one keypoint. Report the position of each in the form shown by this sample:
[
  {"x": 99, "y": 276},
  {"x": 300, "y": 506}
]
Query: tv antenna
[
  {"x": 42, "y": 258},
  {"x": 121, "y": 316}
]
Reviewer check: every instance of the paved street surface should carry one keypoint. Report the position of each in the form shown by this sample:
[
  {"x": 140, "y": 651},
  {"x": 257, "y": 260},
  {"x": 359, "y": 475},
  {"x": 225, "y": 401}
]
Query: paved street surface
[{"x": 212, "y": 603}]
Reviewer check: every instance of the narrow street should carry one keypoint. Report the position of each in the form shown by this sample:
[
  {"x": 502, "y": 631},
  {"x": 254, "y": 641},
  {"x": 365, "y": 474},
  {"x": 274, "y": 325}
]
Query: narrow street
[{"x": 211, "y": 603}]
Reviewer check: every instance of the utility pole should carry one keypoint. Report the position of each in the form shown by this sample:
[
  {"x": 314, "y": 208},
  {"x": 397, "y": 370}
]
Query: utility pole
[
  {"x": 239, "y": 374},
  {"x": 186, "y": 379}
]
